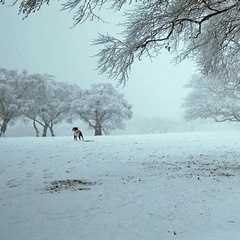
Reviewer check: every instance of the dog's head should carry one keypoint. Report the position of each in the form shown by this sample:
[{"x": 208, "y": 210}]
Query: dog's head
[{"x": 74, "y": 129}]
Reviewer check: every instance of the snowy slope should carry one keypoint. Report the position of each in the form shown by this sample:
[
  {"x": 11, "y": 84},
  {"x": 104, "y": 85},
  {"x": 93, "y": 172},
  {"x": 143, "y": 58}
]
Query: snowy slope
[{"x": 151, "y": 187}]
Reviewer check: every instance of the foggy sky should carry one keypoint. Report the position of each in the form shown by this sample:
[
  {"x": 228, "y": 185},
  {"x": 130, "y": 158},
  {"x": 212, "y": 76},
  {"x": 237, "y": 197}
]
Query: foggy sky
[{"x": 46, "y": 43}]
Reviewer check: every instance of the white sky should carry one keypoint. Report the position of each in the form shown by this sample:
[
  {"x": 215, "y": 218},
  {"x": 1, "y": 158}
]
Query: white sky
[{"x": 46, "y": 43}]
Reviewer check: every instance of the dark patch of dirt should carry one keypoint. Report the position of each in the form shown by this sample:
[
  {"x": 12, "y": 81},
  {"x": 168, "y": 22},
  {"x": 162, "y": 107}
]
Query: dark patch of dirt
[
  {"x": 69, "y": 184},
  {"x": 195, "y": 168}
]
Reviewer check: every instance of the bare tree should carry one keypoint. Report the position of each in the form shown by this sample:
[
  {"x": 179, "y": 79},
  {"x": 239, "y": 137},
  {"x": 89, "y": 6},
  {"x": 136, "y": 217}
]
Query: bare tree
[
  {"x": 206, "y": 30},
  {"x": 211, "y": 98}
]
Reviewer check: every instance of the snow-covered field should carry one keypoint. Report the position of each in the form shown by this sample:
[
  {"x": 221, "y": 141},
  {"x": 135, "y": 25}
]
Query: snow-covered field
[{"x": 134, "y": 187}]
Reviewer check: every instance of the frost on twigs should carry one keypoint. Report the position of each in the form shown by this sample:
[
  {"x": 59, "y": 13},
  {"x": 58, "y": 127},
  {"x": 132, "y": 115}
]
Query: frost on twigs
[
  {"x": 30, "y": 6},
  {"x": 69, "y": 184}
]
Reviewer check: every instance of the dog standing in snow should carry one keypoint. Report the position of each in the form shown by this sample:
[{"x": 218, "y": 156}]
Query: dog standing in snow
[{"x": 77, "y": 134}]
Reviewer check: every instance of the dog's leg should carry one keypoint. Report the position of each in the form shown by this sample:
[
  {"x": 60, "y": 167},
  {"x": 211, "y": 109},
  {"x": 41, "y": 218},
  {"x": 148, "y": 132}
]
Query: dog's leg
[
  {"x": 81, "y": 135},
  {"x": 75, "y": 137}
]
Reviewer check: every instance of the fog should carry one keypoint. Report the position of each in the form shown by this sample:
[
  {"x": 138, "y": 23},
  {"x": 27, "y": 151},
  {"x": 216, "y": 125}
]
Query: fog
[{"x": 45, "y": 42}]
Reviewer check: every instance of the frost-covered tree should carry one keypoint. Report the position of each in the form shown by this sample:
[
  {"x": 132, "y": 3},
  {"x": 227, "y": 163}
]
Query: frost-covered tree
[
  {"x": 217, "y": 99},
  {"x": 37, "y": 97},
  {"x": 103, "y": 108},
  {"x": 48, "y": 103},
  {"x": 13, "y": 88},
  {"x": 63, "y": 96},
  {"x": 205, "y": 30}
]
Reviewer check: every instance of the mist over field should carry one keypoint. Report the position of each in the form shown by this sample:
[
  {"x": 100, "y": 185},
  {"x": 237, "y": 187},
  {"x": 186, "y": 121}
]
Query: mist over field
[{"x": 137, "y": 125}]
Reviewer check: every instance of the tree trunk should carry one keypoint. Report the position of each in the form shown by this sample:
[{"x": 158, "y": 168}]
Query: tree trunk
[
  {"x": 98, "y": 130},
  {"x": 51, "y": 128},
  {"x": 35, "y": 127},
  {"x": 3, "y": 128},
  {"x": 52, "y": 131},
  {"x": 45, "y": 128}
]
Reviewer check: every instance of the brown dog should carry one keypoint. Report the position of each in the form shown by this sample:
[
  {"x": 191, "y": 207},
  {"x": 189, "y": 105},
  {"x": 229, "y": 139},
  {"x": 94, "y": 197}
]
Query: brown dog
[{"x": 77, "y": 134}]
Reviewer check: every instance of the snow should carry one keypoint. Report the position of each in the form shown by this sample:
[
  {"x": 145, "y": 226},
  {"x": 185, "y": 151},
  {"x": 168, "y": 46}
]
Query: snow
[{"x": 166, "y": 186}]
